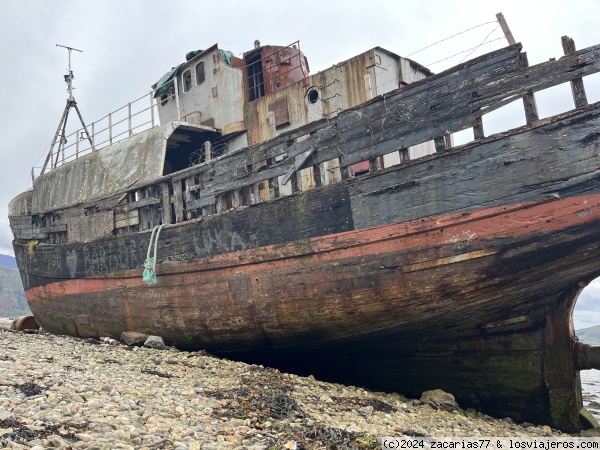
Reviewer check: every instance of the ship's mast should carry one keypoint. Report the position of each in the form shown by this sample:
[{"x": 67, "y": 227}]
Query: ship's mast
[{"x": 71, "y": 103}]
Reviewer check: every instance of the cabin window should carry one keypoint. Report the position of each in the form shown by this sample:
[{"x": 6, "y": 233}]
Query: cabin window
[
  {"x": 166, "y": 97},
  {"x": 187, "y": 80},
  {"x": 313, "y": 96},
  {"x": 199, "y": 73},
  {"x": 256, "y": 84}
]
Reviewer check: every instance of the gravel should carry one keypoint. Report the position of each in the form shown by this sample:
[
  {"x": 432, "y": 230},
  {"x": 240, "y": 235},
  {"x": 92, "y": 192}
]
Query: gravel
[{"x": 69, "y": 393}]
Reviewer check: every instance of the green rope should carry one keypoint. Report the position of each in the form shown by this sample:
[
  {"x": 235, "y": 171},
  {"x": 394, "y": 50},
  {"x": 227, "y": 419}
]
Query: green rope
[{"x": 150, "y": 263}]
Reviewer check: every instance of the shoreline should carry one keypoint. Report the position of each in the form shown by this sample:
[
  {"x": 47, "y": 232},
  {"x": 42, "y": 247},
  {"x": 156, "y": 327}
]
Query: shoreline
[
  {"x": 66, "y": 392},
  {"x": 5, "y": 323}
]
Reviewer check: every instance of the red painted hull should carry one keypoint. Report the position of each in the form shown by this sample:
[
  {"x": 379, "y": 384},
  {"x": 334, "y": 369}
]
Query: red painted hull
[{"x": 389, "y": 279}]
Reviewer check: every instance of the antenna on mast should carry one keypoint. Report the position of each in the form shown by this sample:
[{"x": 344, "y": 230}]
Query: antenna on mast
[
  {"x": 71, "y": 103},
  {"x": 69, "y": 77}
]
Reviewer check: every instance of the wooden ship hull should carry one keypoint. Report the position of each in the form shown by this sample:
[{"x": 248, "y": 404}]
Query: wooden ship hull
[{"x": 457, "y": 270}]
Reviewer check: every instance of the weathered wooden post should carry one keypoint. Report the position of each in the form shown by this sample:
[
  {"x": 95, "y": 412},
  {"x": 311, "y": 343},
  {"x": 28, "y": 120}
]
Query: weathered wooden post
[
  {"x": 577, "y": 87},
  {"x": 531, "y": 111}
]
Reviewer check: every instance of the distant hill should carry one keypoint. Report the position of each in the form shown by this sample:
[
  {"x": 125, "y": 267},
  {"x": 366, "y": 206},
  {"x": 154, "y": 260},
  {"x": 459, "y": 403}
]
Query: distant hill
[
  {"x": 590, "y": 336},
  {"x": 8, "y": 261},
  {"x": 12, "y": 294}
]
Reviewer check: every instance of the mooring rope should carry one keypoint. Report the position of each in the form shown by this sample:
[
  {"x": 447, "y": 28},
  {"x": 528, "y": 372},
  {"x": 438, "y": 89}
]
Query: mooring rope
[{"x": 150, "y": 263}]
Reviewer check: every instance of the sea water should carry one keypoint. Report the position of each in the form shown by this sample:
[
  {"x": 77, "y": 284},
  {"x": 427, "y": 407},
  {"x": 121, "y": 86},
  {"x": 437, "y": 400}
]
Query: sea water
[{"x": 590, "y": 386}]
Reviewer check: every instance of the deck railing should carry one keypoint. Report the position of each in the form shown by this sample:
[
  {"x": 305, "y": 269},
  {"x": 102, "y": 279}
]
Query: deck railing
[{"x": 134, "y": 117}]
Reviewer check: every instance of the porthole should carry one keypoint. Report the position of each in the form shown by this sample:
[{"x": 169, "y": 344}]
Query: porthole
[{"x": 313, "y": 96}]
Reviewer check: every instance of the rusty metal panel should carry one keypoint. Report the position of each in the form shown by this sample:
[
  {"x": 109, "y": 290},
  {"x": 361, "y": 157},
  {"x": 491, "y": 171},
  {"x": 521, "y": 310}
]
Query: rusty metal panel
[
  {"x": 280, "y": 108},
  {"x": 325, "y": 94},
  {"x": 282, "y": 66},
  {"x": 355, "y": 86}
]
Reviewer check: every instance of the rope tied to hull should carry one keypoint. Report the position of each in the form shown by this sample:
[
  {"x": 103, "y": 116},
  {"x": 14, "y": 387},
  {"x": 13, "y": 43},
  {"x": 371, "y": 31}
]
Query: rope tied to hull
[{"x": 150, "y": 263}]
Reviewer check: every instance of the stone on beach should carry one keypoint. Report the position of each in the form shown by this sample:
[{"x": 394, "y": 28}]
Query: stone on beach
[
  {"x": 155, "y": 342},
  {"x": 133, "y": 338},
  {"x": 439, "y": 399},
  {"x": 61, "y": 392}
]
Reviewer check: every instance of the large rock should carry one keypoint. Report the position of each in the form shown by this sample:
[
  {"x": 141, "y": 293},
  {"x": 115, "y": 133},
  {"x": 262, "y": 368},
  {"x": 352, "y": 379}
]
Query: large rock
[
  {"x": 439, "y": 399},
  {"x": 156, "y": 342},
  {"x": 133, "y": 338},
  {"x": 25, "y": 323}
]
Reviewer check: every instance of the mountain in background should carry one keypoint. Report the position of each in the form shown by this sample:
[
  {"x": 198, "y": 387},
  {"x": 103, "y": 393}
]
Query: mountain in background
[
  {"x": 8, "y": 261},
  {"x": 590, "y": 336},
  {"x": 12, "y": 295}
]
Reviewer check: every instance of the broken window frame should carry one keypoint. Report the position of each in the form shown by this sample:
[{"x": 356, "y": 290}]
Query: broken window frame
[
  {"x": 200, "y": 74},
  {"x": 186, "y": 80}
]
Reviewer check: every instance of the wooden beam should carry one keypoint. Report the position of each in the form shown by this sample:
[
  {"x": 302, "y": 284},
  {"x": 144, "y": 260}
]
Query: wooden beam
[
  {"x": 298, "y": 164},
  {"x": 165, "y": 202},
  {"x": 178, "y": 202},
  {"x": 375, "y": 164},
  {"x": 126, "y": 219},
  {"x": 274, "y": 187},
  {"x": 154, "y": 215},
  {"x": 478, "y": 132},
  {"x": 577, "y": 88},
  {"x": 202, "y": 202},
  {"x": 144, "y": 202},
  {"x": 531, "y": 111},
  {"x": 507, "y": 33}
]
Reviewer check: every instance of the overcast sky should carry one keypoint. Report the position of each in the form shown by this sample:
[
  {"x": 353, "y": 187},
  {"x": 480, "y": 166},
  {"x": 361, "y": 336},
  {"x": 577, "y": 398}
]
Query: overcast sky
[{"x": 129, "y": 44}]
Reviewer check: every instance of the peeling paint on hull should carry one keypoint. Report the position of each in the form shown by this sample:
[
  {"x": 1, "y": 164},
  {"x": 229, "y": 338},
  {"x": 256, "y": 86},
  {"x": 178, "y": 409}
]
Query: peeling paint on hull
[{"x": 403, "y": 269}]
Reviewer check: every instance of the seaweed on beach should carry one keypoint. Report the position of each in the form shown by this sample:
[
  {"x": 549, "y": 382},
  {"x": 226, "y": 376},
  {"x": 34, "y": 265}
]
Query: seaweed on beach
[
  {"x": 322, "y": 436},
  {"x": 334, "y": 438},
  {"x": 265, "y": 394},
  {"x": 276, "y": 406},
  {"x": 30, "y": 389},
  {"x": 242, "y": 403},
  {"x": 22, "y": 434}
]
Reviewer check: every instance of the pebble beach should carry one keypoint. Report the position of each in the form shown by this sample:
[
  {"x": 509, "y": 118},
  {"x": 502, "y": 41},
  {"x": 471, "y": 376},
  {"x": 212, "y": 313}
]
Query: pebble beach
[{"x": 69, "y": 393}]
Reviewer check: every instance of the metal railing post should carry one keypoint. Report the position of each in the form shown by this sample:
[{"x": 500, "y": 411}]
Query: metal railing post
[
  {"x": 152, "y": 109},
  {"x": 177, "y": 97},
  {"x": 93, "y": 138},
  {"x": 110, "y": 128},
  {"x": 129, "y": 118}
]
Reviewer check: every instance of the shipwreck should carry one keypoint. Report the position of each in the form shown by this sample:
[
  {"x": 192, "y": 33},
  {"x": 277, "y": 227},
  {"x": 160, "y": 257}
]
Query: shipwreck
[{"x": 327, "y": 222}]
